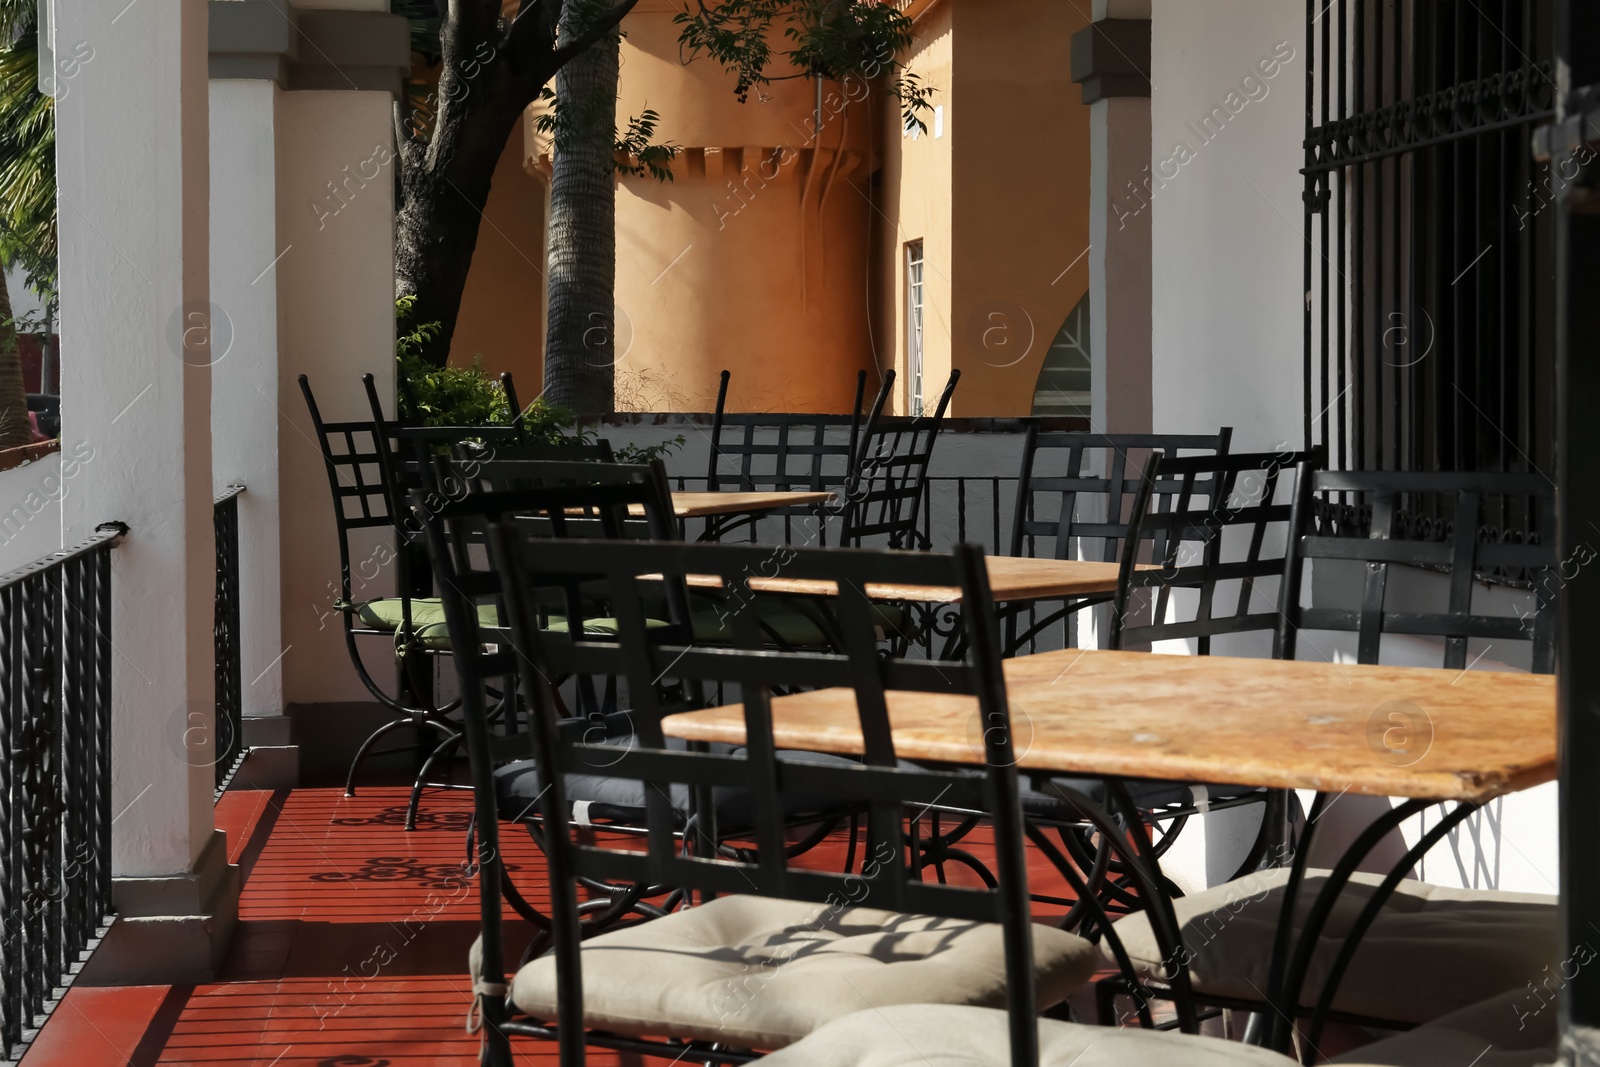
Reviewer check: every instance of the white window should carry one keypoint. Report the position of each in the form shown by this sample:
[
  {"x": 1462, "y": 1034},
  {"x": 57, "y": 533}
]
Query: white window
[{"x": 914, "y": 327}]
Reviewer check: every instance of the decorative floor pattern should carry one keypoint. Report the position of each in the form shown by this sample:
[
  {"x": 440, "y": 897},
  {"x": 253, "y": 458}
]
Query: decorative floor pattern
[{"x": 351, "y": 949}]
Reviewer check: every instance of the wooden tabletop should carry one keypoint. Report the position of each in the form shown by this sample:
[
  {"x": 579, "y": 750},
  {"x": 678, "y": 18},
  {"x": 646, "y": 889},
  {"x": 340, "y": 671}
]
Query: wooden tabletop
[
  {"x": 1382, "y": 731},
  {"x": 699, "y": 505},
  {"x": 1010, "y": 578}
]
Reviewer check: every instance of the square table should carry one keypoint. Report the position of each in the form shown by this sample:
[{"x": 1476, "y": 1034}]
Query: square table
[
  {"x": 1011, "y": 578},
  {"x": 1423, "y": 734},
  {"x": 1290, "y": 725},
  {"x": 699, "y": 505}
]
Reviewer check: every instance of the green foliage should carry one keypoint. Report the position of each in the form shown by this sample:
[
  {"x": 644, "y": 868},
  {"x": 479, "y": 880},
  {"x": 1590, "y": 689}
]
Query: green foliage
[
  {"x": 27, "y": 152},
  {"x": 646, "y": 453},
  {"x": 637, "y": 153},
  {"x": 831, "y": 39},
  {"x": 468, "y": 396},
  {"x": 568, "y": 122}
]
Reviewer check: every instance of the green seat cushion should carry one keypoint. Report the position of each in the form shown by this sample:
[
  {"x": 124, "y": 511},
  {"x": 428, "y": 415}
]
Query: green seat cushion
[
  {"x": 387, "y": 613},
  {"x": 437, "y": 635},
  {"x": 426, "y": 614},
  {"x": 790, "y": 624}
]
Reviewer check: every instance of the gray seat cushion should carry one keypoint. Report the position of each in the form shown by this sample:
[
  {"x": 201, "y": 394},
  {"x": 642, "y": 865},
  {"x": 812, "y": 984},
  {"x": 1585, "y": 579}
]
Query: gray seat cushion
[
  {"x": 1514, "y": 1029},
  {"x": 925, "y": 1035},
  {"x": 755, "y": 972},
  {"x": 1431, "y": 951},
  {"x": 1147, "y": 795},
  {"x": 600, "y": 798}
]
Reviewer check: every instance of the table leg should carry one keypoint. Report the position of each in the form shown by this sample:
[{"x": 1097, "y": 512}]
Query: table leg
[
  {"x": 1124, "y": 834},
  {"x": 1289, "y": 970},
  {"x": 1369, "y": 914}
]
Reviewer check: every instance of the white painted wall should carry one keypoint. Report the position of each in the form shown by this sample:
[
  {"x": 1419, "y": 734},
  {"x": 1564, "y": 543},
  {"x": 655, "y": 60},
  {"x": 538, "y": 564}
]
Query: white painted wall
[
  {"x": 1227, "y": 252},
  {"x": 1226, "y": 243},
  {"x": 335, "y": 322},
  {"x": 244, "y": 378},
  {"x": 30, "y": 506},
  {"x": 131, "y": 148}
]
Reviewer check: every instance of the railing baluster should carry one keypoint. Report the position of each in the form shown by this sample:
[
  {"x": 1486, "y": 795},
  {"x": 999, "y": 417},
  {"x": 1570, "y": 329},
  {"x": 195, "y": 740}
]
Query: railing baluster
[
  {"x": 55, "y": 777},
  {"x": 228, "y": 729},
  {"x": 11, "y": 998}
]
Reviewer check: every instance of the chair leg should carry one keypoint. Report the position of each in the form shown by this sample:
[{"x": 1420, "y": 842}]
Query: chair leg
[
  {"x": 445, "y": 749},
  {"x": 366, "y": 747}
]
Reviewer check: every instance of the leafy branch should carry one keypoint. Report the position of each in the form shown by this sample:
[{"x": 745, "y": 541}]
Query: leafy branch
[{"x": 827, "y": 39}]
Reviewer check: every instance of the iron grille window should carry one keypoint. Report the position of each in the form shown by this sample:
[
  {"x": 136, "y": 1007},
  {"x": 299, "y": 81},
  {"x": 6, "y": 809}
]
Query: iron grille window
[{"x": 1429, "y": 264}]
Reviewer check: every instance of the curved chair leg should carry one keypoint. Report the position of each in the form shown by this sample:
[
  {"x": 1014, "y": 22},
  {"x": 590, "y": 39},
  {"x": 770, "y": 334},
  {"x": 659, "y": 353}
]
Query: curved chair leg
[
  {"x": 366, "y": 747},
  {"x": 445, "y": 749}
]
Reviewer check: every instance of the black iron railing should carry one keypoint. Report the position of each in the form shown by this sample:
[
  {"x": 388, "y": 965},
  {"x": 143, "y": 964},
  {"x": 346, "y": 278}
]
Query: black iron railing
[
  {"x": 230, "y": 749},
  {"x": 1429, "y": 226},
  {"x": 55, "y": 778}
]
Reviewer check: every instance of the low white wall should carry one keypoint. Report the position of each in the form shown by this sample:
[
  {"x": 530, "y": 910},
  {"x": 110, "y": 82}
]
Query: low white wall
[{"x": 30, "y": 505}]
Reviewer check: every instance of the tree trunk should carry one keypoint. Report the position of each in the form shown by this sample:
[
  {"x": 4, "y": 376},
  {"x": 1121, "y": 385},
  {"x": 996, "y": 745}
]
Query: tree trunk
[
  {"x": 580, "y": 342},
  {"x": 14, "y": 426},
  {"x": 436, "y": 228}
]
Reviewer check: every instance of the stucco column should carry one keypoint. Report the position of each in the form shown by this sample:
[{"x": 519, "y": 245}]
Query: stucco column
[
  {"x": 1111, "y": 61},
  {"x": 302, "y": 271},
  {"x": 131, "y": 149},
  {"x": 244, "y": 378}
]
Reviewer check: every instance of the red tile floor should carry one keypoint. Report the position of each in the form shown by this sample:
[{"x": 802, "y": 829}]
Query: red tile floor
[{"x": 351, "y": 949}]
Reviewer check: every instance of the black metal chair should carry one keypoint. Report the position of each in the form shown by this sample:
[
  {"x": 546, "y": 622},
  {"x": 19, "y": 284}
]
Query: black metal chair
[
  {"x": 624, "y": 986},
  {"x": 405, "y": 455},
  {"x": 885, "y": 494},
  {"x": 1075, "y": 489},
  {"x": 787, "y": 452},
  {"x": 1442, "y": 537},
  {"x": 1179, "y": 516},
  {"x": 1216, "y": 525},
  {"x": 604, "y": 801},
  {"x": 358, "y": 458}
]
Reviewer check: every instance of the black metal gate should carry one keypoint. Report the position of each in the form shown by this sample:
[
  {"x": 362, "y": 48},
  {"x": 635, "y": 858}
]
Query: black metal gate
[{"x": 1429, "y": 317}]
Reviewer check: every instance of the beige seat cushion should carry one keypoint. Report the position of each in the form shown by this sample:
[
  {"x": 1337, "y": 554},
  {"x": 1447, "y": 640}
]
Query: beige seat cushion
[
  {"x": 1431, "y": 951},
  {"x": 1514, "y": 1029},
  {"x": 755, "y": 972},
  {"x": 926, "y": 1035}
]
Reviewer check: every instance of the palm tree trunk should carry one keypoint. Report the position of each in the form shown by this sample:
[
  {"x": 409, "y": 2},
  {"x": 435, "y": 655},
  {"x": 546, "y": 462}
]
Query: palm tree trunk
[
  {"x": 14, "y": 426},
  {"x": 580, "y": 343}
]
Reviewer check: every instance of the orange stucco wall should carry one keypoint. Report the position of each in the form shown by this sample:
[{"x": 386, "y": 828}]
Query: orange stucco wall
[
  {"x": 1021, "y": 194},
  {"x": 502, "y": 310},
  {"x": 912, "y": 189},
  {"x": 1000, "y": 200},
  {"x": 778, "y": 250},
  {"x": 754, "y": 257}
]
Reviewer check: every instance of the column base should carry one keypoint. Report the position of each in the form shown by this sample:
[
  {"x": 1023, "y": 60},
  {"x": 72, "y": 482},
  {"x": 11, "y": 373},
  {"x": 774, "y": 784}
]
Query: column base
[{"x": 171, "y": 929}]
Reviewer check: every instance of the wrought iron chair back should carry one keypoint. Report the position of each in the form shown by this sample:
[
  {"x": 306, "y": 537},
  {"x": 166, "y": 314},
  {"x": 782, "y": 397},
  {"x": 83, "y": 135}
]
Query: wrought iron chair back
[
  {"x": 355, "y": 456},
  {"x": 407, "y": 460},
  {"x": 1211, "y": 521},
  {"x": 780, "y": 452},
  {"x": 1376, "y": 520},
  {"x": 646, "y": 656},
  {"x": 885, "y": 494},
  {"x": 1051, "y": 505},
  {"x": 807, "y": 452}
]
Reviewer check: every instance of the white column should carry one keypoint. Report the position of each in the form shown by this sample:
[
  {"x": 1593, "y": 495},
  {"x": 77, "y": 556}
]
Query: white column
[
  {"x": 336, "y": 305},
  {"x": 1119, "y": 266},
  {"x": 1119, "y": 238},
  {"x": 131, "y": 149},
  {"x": 244, "y": 385}
]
